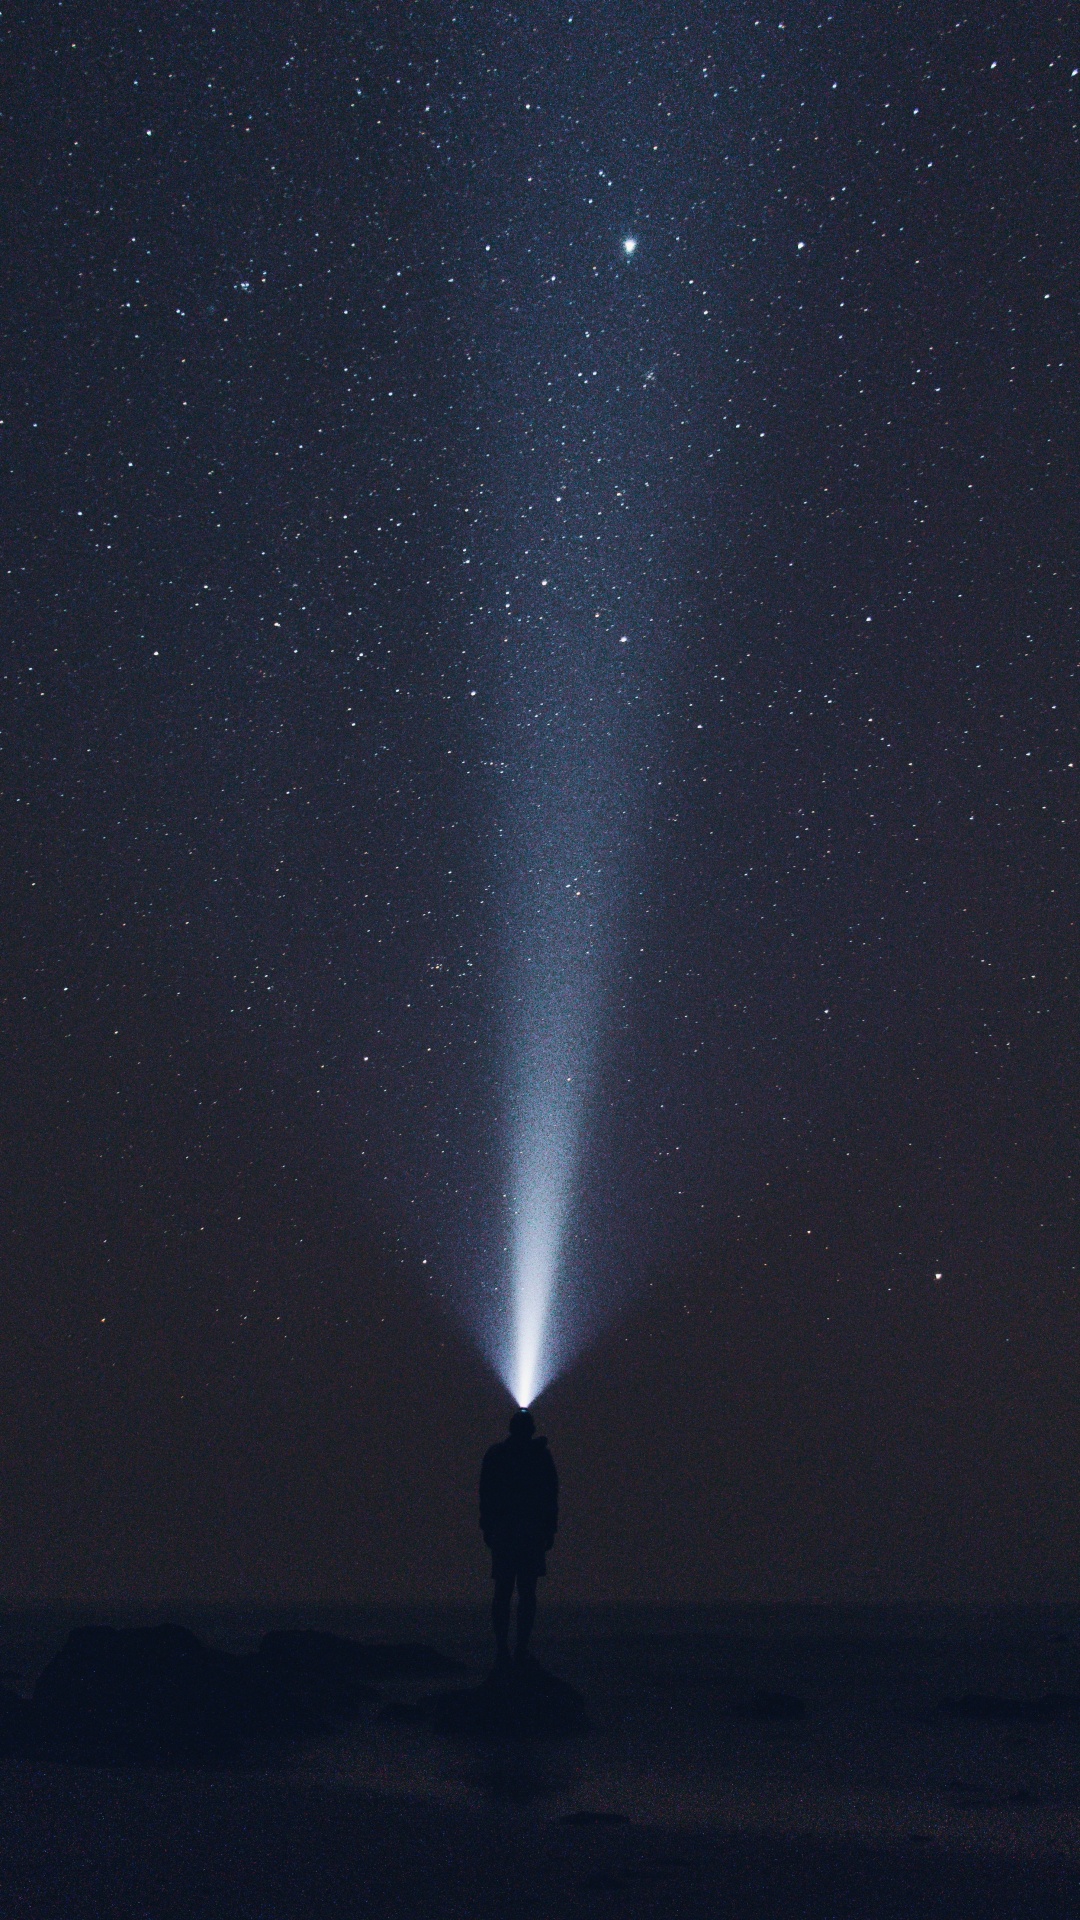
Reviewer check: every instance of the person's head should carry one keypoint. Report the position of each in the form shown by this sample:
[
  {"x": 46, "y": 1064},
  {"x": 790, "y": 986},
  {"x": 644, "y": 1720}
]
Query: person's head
[{"x": 522, "y": 1425}]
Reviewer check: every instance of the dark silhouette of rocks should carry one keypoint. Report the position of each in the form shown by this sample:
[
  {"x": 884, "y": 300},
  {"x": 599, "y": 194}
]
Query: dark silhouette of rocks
[
  {"x": 518, "y": 1699},
  {"x": 158, "y": 1694},
  {"x": 994, "y": 1706},
  {"x": 302, "y": 1650},
  {"x": 328, "y": 1679},
  {"x": 315, "y": 1674},
  {"x": 155, "y": 1693}
]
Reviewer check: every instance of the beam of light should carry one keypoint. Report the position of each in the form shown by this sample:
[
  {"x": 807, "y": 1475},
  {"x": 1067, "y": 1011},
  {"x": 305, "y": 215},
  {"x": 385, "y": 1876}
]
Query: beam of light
[
  {"x": 562, "y": 915},
  {"x": 543, "y": 1183},
  {"x": 547, "y": 1127}
]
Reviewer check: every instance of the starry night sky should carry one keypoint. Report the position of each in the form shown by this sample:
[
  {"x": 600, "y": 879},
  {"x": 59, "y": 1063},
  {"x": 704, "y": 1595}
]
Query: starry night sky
[{"x": 393, "y": 557}]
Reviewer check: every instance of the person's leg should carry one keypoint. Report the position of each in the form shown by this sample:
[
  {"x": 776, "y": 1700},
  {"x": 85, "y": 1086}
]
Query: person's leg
[
  {"x": 526, "y": 1612},
  {"x": 500, "y": 1612}
]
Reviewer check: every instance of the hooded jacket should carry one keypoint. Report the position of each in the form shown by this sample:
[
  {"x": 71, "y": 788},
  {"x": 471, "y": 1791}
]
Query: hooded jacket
[{"x": 519, "y": 1493}]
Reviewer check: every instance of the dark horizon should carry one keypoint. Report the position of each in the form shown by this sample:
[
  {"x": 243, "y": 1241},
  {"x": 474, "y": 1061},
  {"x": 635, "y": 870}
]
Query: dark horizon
[{"x": 389, "y": 548}]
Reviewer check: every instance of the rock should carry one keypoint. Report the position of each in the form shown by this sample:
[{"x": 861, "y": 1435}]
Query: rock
[
  {"x": 155, "y": 1693},
  {"x": 358, "y": 1662},
  {"x": 522, "y": 1702},
  {"x": 318, "y": 1674},
  {"x": 159, "y": 1694}
]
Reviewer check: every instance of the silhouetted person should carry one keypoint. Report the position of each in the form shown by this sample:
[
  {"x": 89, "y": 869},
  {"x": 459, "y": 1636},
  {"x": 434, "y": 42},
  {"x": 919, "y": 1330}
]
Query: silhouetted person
[{"x": 519, "y": 1513}]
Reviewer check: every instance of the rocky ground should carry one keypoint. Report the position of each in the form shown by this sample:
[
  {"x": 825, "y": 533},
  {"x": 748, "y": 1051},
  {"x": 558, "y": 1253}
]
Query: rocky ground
[{"x": 796, "y": 1764}]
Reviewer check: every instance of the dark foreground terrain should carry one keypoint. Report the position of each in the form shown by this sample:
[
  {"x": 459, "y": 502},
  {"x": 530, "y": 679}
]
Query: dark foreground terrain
[{"x": 783, "y": 1763}]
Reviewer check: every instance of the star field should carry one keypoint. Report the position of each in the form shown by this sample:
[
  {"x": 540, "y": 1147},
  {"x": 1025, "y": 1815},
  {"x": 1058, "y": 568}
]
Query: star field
[{"x": 490, "y": 491}]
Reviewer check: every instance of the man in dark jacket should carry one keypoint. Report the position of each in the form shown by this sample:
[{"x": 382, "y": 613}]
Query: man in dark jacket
[{"x": 519, "y": 1513}]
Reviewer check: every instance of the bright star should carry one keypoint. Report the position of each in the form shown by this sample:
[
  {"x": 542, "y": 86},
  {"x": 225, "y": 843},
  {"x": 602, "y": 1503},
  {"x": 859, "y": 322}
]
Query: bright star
[{"x": 629, "y": 245}]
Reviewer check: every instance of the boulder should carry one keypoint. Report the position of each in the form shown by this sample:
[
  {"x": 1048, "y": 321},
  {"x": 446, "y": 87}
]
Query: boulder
[
  {"x": 358, "y": 1663},
  {"x": 522, "y": 1702},
  {"x": 155, "y": 1693},
  {"x": 158, "y": 1694}
]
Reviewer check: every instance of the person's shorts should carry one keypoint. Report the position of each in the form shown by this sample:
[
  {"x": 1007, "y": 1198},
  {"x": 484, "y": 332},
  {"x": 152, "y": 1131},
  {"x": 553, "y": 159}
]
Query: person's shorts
[{"x": 524, "y": 1560}]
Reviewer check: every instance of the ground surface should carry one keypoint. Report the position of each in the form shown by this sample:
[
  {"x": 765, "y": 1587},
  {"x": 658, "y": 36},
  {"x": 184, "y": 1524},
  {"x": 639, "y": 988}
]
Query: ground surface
[{"x": 682, "y": 1801}]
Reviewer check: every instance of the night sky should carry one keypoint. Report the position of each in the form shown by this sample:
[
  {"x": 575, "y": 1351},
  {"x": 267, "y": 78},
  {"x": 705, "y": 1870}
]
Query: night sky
[{"x": 540, "y": 537}]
